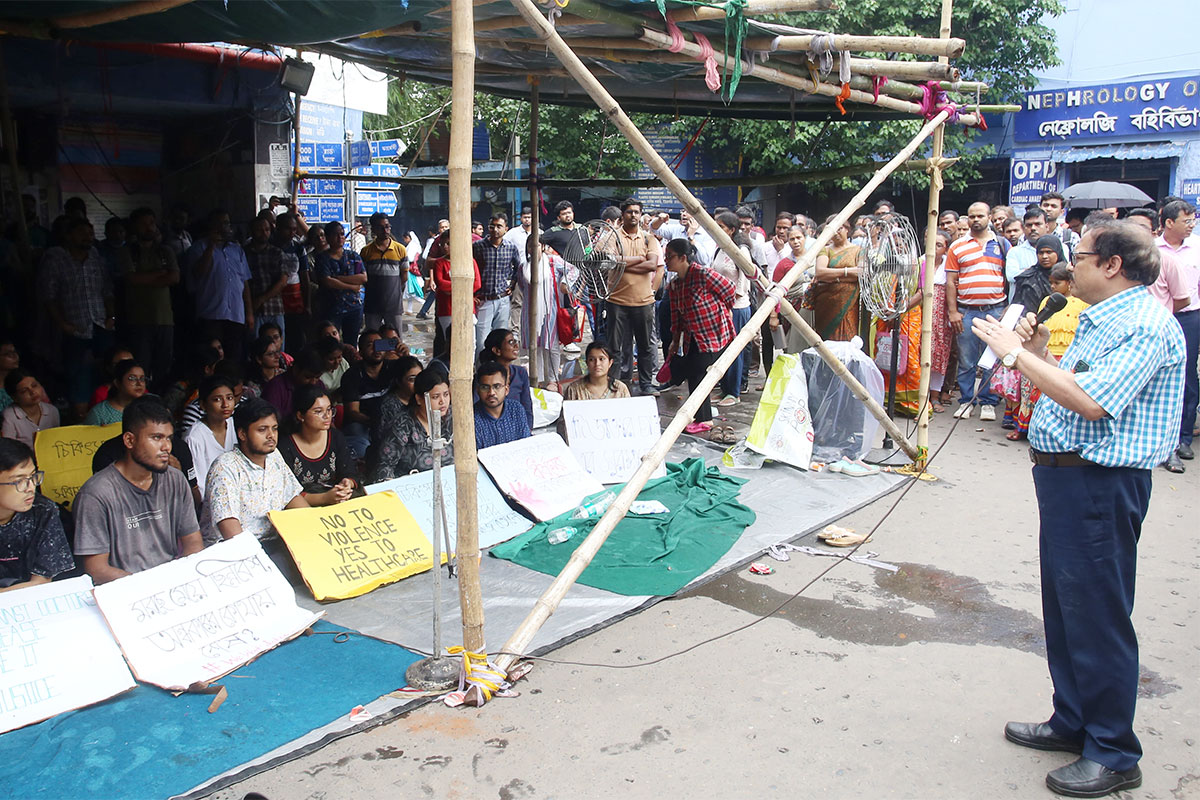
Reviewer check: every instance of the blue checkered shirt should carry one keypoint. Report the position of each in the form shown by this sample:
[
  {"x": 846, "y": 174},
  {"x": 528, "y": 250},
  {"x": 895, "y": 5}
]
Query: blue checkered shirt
[
  {"x": 498, "y": 266},
  {"x": 1128, "y": 355}
]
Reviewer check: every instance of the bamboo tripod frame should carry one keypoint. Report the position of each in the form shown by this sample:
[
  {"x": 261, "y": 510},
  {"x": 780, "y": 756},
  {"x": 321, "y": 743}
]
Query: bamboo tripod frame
[{"x": 583, "y": 555}]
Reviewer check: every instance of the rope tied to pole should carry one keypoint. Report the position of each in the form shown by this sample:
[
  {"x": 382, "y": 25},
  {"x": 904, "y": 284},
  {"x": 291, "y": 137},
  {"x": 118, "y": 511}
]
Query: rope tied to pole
[
  {"x": 711, "y": 77},
  {"x": 877, "y": 82},
  {"x": 736, "y": 30},
  {"x": 478, "y": 674}
]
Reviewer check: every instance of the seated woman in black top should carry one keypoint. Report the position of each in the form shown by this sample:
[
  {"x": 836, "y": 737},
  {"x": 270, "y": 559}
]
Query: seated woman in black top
[
  {"x": 33, "y": 547},
  {"x": 316, "y": 452}
]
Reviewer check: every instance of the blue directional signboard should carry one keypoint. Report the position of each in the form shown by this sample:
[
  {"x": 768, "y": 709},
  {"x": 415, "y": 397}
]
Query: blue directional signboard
[
  {"x": 322, "y": 209},
  {"x": 386, "y": 148},
  {"x": 371, "y": 201},
  {"x": 360, "y": 153},
  {"x": 389, "y": 170},
  {"x": 323, "y": 186}
]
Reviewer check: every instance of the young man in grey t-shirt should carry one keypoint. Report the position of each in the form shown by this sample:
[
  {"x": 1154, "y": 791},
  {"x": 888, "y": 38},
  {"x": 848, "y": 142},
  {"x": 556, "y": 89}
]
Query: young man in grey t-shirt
[{"x": 136, "y": 513}]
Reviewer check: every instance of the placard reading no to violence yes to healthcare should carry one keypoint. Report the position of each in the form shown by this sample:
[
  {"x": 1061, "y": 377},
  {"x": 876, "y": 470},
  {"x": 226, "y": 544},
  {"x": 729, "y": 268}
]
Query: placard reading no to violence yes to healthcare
[{"x": 356, "y": 546}]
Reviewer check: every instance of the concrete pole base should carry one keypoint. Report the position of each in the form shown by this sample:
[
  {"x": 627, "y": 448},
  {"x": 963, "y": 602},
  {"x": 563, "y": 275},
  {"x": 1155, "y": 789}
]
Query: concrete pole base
[{"x": 434, "y": 674}]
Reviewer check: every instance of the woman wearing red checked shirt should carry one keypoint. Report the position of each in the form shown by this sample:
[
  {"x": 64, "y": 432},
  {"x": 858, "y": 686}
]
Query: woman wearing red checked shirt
[{"x": 701, "y": 319}]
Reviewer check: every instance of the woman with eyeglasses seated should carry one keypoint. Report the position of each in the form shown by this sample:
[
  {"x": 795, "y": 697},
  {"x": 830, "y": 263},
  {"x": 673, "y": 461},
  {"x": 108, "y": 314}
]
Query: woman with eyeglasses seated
[
  {"x": 33, "y": 548},
  {"x": 129, "y": 383},
  {"x": 29, "y": 412},
  {"x": 316, "y": 452},
  {"x": 501, "y": 345}
]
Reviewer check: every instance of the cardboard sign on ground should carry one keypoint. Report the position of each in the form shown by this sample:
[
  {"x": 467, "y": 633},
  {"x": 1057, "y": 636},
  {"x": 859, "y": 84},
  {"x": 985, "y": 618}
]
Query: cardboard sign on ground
[
  {"x": 56, "y": 653},
  {"x": 540, "y": 473},
  {"x": 353, "y": 547},
  {"x": 201, "y": 617},
  {"x": 609, "y": 437},
  {"x": 65, "y": 455},
  {"x": 497, "y": 521}
]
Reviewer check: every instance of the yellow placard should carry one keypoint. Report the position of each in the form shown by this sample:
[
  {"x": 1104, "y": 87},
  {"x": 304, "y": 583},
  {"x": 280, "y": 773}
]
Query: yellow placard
[
  {"x": 353, "y": 547},
  {"x": 65, "y": 455}
]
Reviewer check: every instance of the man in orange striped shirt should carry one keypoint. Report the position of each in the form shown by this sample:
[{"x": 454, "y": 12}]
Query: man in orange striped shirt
[{"x": 975, "y": 287}]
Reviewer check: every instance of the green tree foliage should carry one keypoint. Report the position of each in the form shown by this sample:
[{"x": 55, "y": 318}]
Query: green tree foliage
[{"x": 1006, "y": 46}]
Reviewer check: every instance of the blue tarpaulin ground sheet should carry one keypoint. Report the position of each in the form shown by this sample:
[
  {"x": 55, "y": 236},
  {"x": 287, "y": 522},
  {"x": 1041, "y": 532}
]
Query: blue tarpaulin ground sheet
[{"x": 149, "y": 744}]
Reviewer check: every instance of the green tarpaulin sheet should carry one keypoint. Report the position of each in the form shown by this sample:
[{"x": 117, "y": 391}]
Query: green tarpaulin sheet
[{"x": 653, "y": 554}]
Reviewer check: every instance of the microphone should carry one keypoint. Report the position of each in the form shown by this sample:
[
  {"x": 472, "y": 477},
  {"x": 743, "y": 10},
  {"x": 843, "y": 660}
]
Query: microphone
[
  {"x": 1054, "y": 304},
  {"x": 1012, "y": 315}
]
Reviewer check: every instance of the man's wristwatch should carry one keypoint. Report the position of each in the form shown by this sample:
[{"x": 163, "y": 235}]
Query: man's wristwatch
[{"x": 1010, "y": 359}]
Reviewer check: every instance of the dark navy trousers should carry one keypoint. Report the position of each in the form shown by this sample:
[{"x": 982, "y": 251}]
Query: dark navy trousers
[{"x": 1091, "y": 518}]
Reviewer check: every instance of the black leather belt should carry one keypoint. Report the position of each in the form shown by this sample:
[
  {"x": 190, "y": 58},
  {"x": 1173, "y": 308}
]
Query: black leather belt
[
  {"x": 1058, "y": 459},
  {"x": 486, "y": 297}
]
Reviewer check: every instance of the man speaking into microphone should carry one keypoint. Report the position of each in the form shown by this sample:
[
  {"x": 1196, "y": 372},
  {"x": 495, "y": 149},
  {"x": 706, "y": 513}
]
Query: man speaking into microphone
[{"x": 1109, "y": 413}]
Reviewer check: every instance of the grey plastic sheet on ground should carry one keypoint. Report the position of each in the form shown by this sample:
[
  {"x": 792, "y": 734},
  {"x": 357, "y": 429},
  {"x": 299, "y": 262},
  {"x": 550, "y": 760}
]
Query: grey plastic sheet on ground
[{"x": 788, "y": 503}]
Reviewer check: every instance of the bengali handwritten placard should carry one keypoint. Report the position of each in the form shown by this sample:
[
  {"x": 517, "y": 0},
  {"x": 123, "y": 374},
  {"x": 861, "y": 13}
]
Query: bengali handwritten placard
[
  {"x": 353, "y": 547},
  {"x": 540, "y": 473},
  {"x": 203, "y": 616},
  {"x": 65, "y": 455},
  {"x": 609, "y": 437},
  {"x": 497, "y": 521},
  {"x": 44, "y": 631}
]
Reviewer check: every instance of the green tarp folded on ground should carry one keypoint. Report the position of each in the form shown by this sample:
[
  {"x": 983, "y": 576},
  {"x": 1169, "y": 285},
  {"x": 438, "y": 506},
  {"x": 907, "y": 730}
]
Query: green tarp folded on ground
[{"x": 653, "y": 554}]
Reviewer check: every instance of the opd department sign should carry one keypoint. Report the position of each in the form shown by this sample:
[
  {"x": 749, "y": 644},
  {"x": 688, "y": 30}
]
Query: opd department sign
[{"x": 1140, "y": 108}]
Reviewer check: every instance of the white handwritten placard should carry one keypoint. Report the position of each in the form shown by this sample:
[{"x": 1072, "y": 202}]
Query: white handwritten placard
[
  {"x": 497, "y": 521},
  {"x": 203, "y": 616},
  {"x": 540, "y": 473},
  {"x": 56, "y": 653},
  {"x": 609, "y": 437}
]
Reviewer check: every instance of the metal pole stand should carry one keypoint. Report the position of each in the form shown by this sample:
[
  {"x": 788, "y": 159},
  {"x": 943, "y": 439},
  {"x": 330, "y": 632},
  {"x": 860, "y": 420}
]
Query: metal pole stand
[{"x": 437, "y": 673}]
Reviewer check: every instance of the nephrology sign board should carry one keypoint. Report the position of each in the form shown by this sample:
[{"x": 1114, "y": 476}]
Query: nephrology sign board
[{"x": 1155, "y": 108}]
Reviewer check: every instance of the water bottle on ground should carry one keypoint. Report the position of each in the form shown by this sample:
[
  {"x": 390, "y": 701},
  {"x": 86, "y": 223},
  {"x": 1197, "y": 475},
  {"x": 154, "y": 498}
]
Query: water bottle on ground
[
  {"x": 560, "y": 535},
  {"x": 595, "y": 508}
]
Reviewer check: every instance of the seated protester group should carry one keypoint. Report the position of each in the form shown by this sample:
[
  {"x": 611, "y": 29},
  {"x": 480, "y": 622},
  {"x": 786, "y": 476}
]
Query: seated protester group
[
  {"x": 498, "y": 417},
  {"x": 137, "y": 512},
  {"x": 128, "y": 384},
  {"x": 250, "y": 480},
  {"x": 601, "y": 382},
  {"x": 305, "y": 372},
  {"x": 33, "y": 547},
  {"x": 404, "y": 440},
  {"x": 29, "y": 412},
  {"x": 213, "y": 434},
  {"x": 316, "y": 452}
]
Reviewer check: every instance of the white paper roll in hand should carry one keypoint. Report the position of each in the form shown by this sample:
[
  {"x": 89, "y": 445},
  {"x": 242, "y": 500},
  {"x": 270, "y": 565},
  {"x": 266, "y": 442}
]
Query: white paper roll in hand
[{"x": 1012, "y": 315}]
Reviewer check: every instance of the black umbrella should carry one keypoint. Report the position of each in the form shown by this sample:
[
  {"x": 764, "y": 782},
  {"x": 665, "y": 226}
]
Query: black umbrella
[{"x": 1105, "y": 194}]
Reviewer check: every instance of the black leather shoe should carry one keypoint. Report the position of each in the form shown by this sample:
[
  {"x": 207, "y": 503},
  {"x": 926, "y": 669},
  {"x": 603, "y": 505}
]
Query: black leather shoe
[
  {"x": 1086, "y": 778},
  {"x": 1184, "y": 451},
  {"x": 1040, "y": 736},
  {"x": 1173, "y": 464}
]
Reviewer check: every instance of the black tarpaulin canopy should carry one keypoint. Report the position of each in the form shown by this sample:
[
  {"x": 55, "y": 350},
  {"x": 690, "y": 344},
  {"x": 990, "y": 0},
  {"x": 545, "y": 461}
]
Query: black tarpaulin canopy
[{"x": 413, "y": 39}]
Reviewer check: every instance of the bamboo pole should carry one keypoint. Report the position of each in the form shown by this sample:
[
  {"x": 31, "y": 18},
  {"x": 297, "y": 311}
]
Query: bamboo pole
[
  {"x": 582, "y": 556},
  {"x": 915, "y": 45},
  {"x": 911, "y": 70},
  {"x": 931, "y": 221},
  {"x": 462, "y": 329},
  {"x": 533, "y": 251},
  {"x": 753, "y": 8},
  {"x": 548, "y": 602}
]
